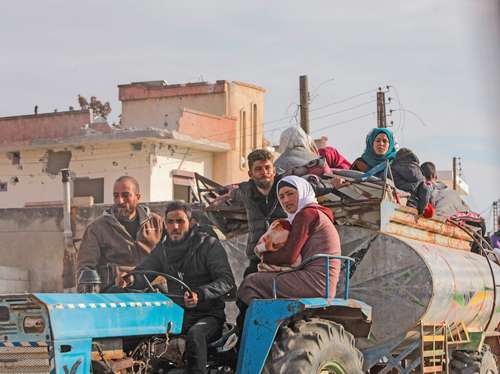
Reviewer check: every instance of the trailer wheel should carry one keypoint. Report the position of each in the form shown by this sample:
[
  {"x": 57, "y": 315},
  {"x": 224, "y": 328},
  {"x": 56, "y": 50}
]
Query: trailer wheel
[
  {"x": 314, "y": 346},
  {"x": 471, "y": 362}
]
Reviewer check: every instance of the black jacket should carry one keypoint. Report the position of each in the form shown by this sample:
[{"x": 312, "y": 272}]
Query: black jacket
[
  {"x": 204, "y": 268},
  {"x": 409, "y": 177},
  {"x": 406, "y": 171}
]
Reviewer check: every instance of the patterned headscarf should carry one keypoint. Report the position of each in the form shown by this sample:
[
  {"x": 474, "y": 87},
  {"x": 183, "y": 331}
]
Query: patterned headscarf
[
  {"x": 369, "y": 156},
  {"x": 304, "y": 189}
]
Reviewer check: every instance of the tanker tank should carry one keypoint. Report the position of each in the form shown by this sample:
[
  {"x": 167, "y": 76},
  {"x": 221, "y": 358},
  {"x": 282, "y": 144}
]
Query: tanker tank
[
  {"x": 408, "y": 281},
  {"x": 413, "y": 271}
]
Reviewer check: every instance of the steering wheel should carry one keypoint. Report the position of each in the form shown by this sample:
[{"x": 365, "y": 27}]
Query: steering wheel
[{"x": 150, "y": 287}]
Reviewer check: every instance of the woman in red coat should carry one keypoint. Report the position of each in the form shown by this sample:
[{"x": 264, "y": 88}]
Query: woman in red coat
[{"x": 312, "y": 233}]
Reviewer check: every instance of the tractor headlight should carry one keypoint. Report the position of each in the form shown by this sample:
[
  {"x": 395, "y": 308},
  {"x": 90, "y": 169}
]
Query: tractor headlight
[{"x": 35, "y": 324}]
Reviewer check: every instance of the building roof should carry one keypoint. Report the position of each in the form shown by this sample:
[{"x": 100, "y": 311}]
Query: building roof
[
  {"x": 94, "y": 137},
  {"x": 157, "y": 89}
]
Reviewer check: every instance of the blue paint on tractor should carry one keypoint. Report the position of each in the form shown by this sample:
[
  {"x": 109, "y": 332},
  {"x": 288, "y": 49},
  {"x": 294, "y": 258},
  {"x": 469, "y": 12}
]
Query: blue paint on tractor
[
  {"x": 263, "y": 319},
  {"x": 74, "y": 316},
  {"x": 71, "y": 322},
  {"x": 76, "y": 319}
]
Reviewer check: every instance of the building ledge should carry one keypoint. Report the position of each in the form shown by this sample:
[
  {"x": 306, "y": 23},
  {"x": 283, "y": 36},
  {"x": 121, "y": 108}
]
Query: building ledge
[
  {"x": 116, "y": 136},
  {"x": 250, "y": 85},
  {"x": 49, "y": 115}
]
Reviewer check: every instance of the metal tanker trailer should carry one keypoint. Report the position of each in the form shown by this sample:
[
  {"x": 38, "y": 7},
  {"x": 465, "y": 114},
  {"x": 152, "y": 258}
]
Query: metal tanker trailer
[{"x": 435, "y": 303}]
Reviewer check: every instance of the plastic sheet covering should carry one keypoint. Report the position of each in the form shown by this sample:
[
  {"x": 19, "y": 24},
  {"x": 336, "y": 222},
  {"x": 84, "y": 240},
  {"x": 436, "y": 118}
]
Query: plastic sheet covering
[{"x": 235, "y": 249}]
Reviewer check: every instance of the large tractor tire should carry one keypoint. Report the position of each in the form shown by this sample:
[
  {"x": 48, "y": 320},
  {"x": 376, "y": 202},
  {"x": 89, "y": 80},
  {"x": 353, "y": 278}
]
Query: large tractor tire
[
  {"x": 470, "y": 362},
  {"x": 314, "y": 346}
]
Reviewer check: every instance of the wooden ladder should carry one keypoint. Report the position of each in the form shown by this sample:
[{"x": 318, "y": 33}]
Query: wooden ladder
[
  {"x": 457, "y": 333},
  {"x": 434, "y": 348}
]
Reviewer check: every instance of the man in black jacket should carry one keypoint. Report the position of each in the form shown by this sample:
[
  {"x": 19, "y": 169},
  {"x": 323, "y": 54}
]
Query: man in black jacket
[
  {"x": 258, "y": 196},
  {"x": 201, "y": 262}
]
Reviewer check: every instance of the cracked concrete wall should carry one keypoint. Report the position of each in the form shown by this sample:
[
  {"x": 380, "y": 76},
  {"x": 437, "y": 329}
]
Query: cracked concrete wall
[
  {"x": 32, "y": 182},
  {"x": 169, "y": 158},
  {"x": 32, "y": 239}
]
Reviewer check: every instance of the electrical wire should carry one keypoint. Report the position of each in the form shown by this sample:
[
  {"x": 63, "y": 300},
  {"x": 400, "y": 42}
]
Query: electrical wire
[
  {"x": 341, "y": 101},
  {"x": 343, "y": 122},
  {"x": 343, "y": 110},
  {"x": 414, "y": 114}
]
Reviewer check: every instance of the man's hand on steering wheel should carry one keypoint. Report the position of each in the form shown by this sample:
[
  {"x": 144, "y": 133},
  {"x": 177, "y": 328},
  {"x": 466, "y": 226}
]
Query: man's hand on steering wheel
[
  {"x": 130, "y": 277},
  {"x": 190, "y": 299}
]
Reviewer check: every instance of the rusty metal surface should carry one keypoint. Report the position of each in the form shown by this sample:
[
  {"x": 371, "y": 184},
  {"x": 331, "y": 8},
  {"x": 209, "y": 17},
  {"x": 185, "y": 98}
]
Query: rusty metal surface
[
  {"x": 462, "y": 286},
  {"x": 432, "y": 225},
  {"x": 426, "y": 236},
  {"x": 407, "y": 281}
]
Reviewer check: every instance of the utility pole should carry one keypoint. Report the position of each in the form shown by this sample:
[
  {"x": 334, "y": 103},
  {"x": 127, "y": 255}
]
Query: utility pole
[
  {"x": 454, "y": 174},
  {"x": 381, "y": 118},
  {"x": 304, "y": 104}
]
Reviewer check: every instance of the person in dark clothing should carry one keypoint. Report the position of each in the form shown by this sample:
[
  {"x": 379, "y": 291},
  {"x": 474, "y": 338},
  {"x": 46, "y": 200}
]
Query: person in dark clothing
[
  {"x": 198, "y": 220},
  {"x": 446, "y": 200},
  {"x": 495, "y": 238},
  {"x": 260, "y": 202},
  {"x": 408, "y": 177},
  {"x": 201, "y": 262}
]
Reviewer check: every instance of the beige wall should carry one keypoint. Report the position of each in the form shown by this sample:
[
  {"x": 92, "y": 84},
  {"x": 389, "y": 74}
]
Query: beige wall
[
  {"x": 108, "y": 161},
  {"x": 164, "y": 112},
  {"x": 242, "y": 99},
  {"x": 172, "y": 158},
  {"x": 32, "y": 239},
  {"x": 237, "y": 100}
]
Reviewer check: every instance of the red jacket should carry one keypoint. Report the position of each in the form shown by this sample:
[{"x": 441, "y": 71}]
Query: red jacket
[{"x": 334, "y": 159}]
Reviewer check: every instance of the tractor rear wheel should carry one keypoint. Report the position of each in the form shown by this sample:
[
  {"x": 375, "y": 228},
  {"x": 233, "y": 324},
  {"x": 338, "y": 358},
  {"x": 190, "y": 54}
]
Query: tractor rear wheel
[
  {"x": 471, "y": 362},
  {"x": 314, "y": 346}
]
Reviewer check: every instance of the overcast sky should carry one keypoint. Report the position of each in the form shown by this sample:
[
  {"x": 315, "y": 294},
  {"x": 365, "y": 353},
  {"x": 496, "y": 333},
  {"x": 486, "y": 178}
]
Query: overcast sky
[{"x": 440, "y": 57}]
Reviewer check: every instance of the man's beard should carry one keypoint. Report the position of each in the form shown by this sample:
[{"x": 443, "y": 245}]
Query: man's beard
[
  {"x": 123, "y": 212},
  {"x": 179, "y": 239},
  {"x": 264, "y": 183}
]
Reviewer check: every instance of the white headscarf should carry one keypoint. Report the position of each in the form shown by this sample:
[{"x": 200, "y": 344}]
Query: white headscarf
[{"x": 305, "y": 191}]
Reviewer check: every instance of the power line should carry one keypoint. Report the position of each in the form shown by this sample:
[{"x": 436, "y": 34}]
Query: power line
[
  {"x": 344, "y": 110},
  {"x": 321, "y": 107},
  {"x": 411, "y": 112},
  {"x": 346, "y": 121},
  {"x": 341, "y": 101}
]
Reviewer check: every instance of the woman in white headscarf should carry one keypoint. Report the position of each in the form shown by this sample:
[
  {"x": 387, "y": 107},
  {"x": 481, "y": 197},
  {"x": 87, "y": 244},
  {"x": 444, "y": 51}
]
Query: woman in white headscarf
[{"x": 312, "y": 233}]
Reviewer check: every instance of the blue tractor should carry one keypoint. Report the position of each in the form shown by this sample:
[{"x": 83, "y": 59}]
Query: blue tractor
[{"x": 139, "y": 332}]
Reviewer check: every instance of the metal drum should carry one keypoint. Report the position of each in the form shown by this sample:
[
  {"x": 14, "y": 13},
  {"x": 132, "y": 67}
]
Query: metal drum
[{"x": 407, "y": 281}]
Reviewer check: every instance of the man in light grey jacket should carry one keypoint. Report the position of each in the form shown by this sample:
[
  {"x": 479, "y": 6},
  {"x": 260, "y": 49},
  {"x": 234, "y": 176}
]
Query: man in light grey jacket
[{"x": 446, "y": 201}]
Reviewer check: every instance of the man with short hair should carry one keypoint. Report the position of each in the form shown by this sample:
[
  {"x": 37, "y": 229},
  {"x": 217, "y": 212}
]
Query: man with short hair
[
  {"x": 446, "y": 201},
  {"x": 201, "y": 262},
  {"x": 122, "y": 236},
  {"x": 258, "y": 195}
]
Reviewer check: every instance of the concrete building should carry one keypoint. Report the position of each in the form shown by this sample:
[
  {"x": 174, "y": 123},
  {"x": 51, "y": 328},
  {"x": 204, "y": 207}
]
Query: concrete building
[
  {"x": 184, "y": 107},
  {"x": 167, "y": 133},
  {"x": 446, "y": 176}
]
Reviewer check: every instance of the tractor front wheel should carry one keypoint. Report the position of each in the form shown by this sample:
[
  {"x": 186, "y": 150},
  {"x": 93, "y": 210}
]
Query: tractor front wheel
[{"x": 314, "y": 346}]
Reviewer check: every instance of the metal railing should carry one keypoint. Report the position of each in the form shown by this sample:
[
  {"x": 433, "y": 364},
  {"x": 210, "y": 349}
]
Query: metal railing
[{"x": 345, "y": 259}]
